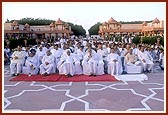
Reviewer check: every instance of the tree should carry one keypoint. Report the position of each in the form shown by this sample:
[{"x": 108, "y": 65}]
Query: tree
[
  {"x": 7, "y": 21},
  {"x": 94, "y": 29},
  {"x": 77, "y": 29}
]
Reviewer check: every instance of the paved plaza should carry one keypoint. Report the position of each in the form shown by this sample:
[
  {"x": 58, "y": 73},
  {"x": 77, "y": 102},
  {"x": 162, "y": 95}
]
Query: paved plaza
[{"x": 85, "y": 96}]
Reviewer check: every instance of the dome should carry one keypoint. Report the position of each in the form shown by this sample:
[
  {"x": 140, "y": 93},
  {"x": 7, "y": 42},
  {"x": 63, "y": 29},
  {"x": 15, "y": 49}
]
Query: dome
[
  {"x": 15, "y": 23},
  {"x": 105, "y": 23},
  {"x": 144, "y": 23},
  {"x": 155, "y": 21},
  {"x": 59, "y": 21},
  {"x": 111, "y": 20},
  {"x": 52, "y": 25},
  {"x": 27, "y": 25}
]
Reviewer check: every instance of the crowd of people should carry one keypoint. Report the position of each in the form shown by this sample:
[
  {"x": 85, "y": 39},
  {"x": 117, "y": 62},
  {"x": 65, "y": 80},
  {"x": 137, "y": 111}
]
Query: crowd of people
[{"x": 82, "y": 56}]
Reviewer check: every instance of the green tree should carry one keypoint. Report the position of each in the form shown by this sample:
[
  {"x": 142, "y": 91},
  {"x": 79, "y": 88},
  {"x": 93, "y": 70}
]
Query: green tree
[
  {"x": 136, "y": 40},
  {"x": 77, "y": 29},
  {"x": 32, "y": 21},
  {"x": 94, "y": 29}
]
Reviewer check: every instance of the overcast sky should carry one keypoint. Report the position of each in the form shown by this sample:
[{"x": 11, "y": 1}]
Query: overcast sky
[{"x": 85, "y": 14}]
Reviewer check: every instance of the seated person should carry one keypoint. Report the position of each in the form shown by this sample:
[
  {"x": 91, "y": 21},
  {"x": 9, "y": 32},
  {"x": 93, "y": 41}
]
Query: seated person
[
  {"x": 31, "y": 64},
  {"x": 131, "y": 59},
  {"x": 146, "y": 60},
  {"x": 48, "y": 62},
  {"x": 68, "y": 64},
  {"x": 89, "y": 63},
  {"x": 161, "y": 59},
  {"x": 114, "y": 63},
  {"x": 17, "y": 61}
]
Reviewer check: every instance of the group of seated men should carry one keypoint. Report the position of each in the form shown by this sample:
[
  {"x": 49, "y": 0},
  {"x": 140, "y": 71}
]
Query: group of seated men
[{"x": 80, "y": 57}]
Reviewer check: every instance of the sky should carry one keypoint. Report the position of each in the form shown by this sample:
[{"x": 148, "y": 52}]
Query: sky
[{"x": 85, "y": 13}]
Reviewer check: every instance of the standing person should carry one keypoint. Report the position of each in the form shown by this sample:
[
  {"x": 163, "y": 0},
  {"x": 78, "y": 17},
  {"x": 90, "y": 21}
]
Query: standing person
[
  {"x": 18, "y": 58},
  {"x": 146, "y": 59},
  {"x": 114, "y": 63},
  {"x": 48, "y": 64}
]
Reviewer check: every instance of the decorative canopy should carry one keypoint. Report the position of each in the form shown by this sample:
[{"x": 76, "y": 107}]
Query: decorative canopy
[
  {"x": 144, "y": 23},
  {"x": 27, "y": 25},
  {"x": 52, "y": 25},
  {"x": 105, "y": 23},
  {"x": 15, "y": 23},
  {"x": 111, "y": 20},
  {"x": 59, "y": 21},
  {"x": 155, "y": 21}
]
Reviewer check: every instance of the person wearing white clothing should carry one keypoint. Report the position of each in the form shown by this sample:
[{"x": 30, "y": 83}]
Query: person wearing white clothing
[
  {"x": 161, "y": 59},
  {"x": 146, "y": 60},
  {"x": 66, "y": 64},
  {"x": 32, "y": 64},
  {"x": 40, "y": 53},
  {"x": 48, "y": 62},
  {"x": 89, "y": 63},
  {"x": 18, "y": 58},
  {"x": 114, "y": 63},
  {"x": 57, "y": 52}
]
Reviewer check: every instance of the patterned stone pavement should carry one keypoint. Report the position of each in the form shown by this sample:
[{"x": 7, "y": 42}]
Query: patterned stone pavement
[{"x": 85, "y": 96}]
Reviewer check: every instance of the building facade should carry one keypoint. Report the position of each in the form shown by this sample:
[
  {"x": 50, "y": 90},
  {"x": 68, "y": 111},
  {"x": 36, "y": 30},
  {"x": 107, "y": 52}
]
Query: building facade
[
  {"x": 112, "y": 27},
  {"x": 54, "y": 30}
]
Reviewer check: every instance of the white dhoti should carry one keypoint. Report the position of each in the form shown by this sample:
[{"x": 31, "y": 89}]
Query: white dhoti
[
  {"x": 49, "y": 69},
  {"x": 100, "y": 68},
  {"x": 89, "y": 67},
  {"x": 148, "y": 65},
  {"x": 66, "y": 68},
  {"x": 29, "y": 70},
  {"x": 78, "y": 68},
  {"x": 135, "y": 64},
  {"x": 16, "y": 68},
  {"x": 114, "y": 68}
]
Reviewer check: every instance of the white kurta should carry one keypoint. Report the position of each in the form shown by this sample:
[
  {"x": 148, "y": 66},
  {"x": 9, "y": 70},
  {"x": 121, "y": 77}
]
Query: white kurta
[
  {"x": 50, "y": 68},
  {"x": 90, "y": 64},
  {"x": 57, "y": 54},
  {"x": 66, "y": 65},
  {"x": 148, "y": 64},
  {"x": 31, "y": 65},
  {"x": 80, "y": 54},
  {"x": 114, "y": 68},
  {"x": 40, "y": 55},
  {"x": 16, "y": 64}
]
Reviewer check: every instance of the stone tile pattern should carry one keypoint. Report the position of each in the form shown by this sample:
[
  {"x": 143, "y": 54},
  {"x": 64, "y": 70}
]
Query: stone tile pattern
[{"x": 85, "y": 96}]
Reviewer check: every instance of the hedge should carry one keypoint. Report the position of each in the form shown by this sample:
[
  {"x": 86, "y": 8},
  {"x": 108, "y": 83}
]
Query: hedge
[{"x": 15, "y": 42}]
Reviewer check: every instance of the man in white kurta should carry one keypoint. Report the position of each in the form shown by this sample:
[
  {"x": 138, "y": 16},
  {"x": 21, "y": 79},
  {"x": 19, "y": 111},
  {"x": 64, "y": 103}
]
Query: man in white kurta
[
  {"x": 32, "y": 64},
  {"x": 48, "y": 64},
  {"x": 89, "y": 63},
  {"x": 146, "y": 60},
  {"x": 114, "y": 63},
  {"x": 66, "y": 64},
  {"x": 56, "y": 52},
  {"x": 40, "y": 53},
  {"x": 18, "y": 58}
]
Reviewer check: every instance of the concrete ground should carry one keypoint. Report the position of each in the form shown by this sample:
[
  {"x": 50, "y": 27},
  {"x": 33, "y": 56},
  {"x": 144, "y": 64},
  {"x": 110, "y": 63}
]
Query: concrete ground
[{"x": 85, "y": 96}]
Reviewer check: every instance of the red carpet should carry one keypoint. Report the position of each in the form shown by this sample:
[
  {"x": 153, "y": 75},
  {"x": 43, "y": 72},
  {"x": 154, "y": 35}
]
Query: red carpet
[{"x": 63, "y": 78}]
